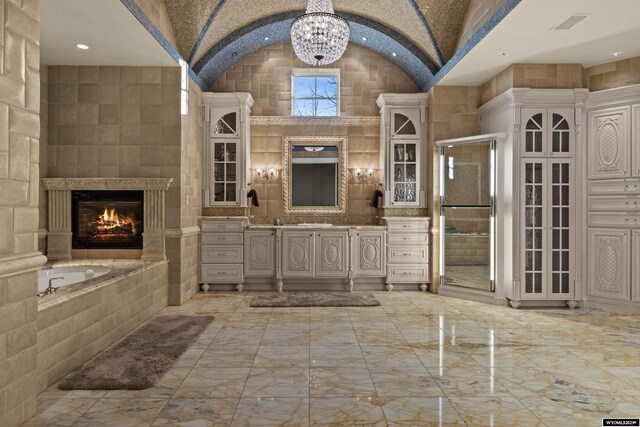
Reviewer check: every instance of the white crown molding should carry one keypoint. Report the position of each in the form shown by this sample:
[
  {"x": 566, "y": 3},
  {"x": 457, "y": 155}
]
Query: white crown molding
[
  {"x": 107, "y": 183},
  {"x": 319, "y": 121},
  {"x": 614, "y": 97},
  {"x": 227, "y": 99},
  {"x": 402, "y": 100},
  {"x": 534, "y": 97}
]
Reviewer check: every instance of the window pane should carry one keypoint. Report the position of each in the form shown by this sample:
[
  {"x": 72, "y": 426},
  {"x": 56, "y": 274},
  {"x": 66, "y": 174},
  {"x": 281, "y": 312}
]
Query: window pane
[
  {"x": 327, "y": 87},
  {"x": 327, "y": 107},
  {"x": 231, "y": 192},
  {"x": 218, "y": 152},
  {"x": 304, "y": 107},
  {"x": 303, "y": 87}
]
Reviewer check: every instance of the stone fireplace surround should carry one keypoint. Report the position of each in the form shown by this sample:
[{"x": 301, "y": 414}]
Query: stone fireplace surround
[{"x": 59, "y": 211}]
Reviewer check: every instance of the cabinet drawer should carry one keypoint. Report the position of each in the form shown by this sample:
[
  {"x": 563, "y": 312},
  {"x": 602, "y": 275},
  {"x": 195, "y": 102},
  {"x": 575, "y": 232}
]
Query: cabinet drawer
[
  {"x": 403, "y": 273},
  {"x": 227, "y": 225},
  {"x": 221, "y": 273},
  {"x": 407, "y": 255},
  {"x": 415, "y": 238},
  {"x": 222, "y": 238},
  {"x": 409, "y": 226},
  {"x": 220, "y": 254},
  {"x": 607, "y": 187},
  {"x": 614, "y": 203},
  {"x": 614, "y": 219}
]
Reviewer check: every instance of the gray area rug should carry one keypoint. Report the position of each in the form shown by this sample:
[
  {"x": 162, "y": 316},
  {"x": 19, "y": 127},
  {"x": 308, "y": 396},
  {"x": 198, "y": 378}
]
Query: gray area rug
[
  {"x": 315, "y": 299},
  {"x": 141, "y": 358}
]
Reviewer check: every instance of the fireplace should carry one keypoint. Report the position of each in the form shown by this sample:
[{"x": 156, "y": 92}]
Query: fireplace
[{"x": 107, "y": 219}]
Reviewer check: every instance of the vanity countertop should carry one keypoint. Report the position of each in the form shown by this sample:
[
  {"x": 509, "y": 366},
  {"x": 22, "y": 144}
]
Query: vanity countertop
[{"x": 311, "y": 227}]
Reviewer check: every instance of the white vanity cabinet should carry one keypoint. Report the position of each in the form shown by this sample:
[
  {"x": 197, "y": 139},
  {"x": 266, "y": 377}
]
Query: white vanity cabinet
[
  {"x": 315, "y": 254},
  {"x": 407, "y": 251},
  {"x": 259, "y": 253},
  {"x": 221, "y": 250},
  {"x": 369, "y": 253},
  {"x": 298, "y": 254},
  {"x": 226, "y": 148}
]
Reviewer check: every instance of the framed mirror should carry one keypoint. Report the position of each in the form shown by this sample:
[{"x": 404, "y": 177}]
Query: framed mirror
[{"x": 314, "y": 178}]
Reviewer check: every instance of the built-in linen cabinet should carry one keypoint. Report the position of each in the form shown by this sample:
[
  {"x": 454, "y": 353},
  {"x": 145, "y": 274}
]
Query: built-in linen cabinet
[
  {"x": 610, "y": 150},
  {"x": 614, "y": 198},
  {"x": 226, "y": 148},
  {"x": 546, "y": 184},
  {"x": 259, "y": 253}
]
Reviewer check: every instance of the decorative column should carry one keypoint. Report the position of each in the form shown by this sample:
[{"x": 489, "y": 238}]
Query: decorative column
[
  {"x": 153, "y": 245},
  {"x": 59, "y": 236}
]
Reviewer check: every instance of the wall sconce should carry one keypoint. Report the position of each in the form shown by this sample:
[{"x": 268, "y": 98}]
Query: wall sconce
[
  {"x": 265, "y": 174},
  {"x": 364, "y": 175}
]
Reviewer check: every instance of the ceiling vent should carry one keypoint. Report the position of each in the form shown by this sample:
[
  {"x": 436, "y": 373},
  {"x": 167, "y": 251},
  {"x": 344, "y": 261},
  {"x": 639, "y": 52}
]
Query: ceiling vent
[{"x": 572, "y": 21}]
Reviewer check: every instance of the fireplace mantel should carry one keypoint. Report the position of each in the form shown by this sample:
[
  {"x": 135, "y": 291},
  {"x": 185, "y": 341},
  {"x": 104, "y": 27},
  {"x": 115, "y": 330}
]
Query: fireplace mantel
[
  {"x": 59, "y": 211},
  {"x": 161, "y": 184}
]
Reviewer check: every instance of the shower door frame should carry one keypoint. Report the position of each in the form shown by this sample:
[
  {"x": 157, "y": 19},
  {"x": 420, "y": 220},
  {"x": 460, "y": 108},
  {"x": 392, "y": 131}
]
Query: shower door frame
[{"x": 492, "y": 140}]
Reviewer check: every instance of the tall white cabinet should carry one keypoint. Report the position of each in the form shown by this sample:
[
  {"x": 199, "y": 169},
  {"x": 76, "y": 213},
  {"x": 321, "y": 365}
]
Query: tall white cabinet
[
  {"x": 613, "y": 194},
  {"x": 226, "y": 148},
  {"x": 539, "y": 174},
  {"x": 403, "y": 119}
]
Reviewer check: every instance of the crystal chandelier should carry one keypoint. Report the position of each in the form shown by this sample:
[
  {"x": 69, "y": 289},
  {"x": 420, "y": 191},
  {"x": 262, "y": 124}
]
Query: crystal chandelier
[{"x": 319, "y": 36}]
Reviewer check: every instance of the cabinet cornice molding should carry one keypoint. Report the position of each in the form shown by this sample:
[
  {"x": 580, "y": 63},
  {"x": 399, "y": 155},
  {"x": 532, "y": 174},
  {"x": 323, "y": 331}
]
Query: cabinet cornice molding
[
  {"x": 613, "y": 97},
  {"x": 402, "y": 99}
]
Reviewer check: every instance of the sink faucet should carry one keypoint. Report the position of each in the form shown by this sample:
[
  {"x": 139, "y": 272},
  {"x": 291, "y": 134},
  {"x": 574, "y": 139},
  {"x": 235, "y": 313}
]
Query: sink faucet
[{"x": 50, "y": 289}]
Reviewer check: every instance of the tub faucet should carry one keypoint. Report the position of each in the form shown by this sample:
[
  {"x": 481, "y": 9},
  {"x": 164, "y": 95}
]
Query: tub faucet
[{"x": 50, "y": 289}]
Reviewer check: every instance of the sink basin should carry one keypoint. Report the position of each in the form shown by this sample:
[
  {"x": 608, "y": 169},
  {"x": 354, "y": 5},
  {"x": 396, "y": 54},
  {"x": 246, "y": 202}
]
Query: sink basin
[{"x": 311, "y": 225}]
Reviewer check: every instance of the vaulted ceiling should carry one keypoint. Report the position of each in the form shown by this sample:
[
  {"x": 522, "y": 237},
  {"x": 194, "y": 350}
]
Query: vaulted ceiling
[{"x": 418, "y": 35}]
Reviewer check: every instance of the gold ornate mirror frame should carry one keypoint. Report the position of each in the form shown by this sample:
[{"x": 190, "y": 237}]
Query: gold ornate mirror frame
[{"x": 309, "y": 141}]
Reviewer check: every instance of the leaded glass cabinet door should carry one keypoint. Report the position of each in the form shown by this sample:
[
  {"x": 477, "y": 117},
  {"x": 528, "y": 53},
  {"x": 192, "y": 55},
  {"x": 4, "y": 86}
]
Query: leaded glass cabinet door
[
  {"x": 560, "y": 230},
  {"x": 534, "y": 129},
  {"x": 534, "y": 238},
  {"x": 225, "y": 159},
  {"x": 405, "y": 173},
  {"x": 561, "y": 129}
]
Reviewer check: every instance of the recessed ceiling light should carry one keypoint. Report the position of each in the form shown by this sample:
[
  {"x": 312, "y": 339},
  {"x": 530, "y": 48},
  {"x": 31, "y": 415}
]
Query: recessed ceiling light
[
  {"x": 266, "y": 38},
  {"x": 234, "y": 54},
  {"x": 502, "y": 53},
  {"x": 82, "y": 46},
  {"x": 394, "y": 54},
  {"x": 364, "y": 39},
  {"x": 618, "y": 53}
]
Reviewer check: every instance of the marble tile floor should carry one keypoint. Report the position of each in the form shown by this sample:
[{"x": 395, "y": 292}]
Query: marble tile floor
[
  {"x": 469, "y": 276},
  {"x": 419, "y": 359}
]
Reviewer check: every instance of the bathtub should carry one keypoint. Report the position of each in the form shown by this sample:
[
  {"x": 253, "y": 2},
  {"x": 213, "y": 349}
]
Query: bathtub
[{"x": 69, "y": 275}]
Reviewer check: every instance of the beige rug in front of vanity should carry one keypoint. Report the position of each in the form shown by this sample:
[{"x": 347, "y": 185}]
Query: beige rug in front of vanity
[
  {"x": 141, "y": 358},
  {"x": 315, "y": 299}
]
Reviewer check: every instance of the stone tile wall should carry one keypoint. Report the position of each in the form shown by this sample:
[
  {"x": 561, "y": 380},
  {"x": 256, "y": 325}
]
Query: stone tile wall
[
  {"x": 156, "y": 11},
  {"x": 613, "y": 75},
  {"x": 266, "y": 74},
  {"x": 534, "y": 76},
  {"x": 183, "y": 246},
  {"x": 73, "y": 331},
  {"x": 363, "y": 152},
  {"x": 19, "y": 198}
]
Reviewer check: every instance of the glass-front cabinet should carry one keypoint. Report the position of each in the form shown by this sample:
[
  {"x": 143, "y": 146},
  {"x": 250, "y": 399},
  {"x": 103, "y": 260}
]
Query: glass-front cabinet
[
  {"x": 226, "y": 148},
  {"x": 401, "y": 154}
]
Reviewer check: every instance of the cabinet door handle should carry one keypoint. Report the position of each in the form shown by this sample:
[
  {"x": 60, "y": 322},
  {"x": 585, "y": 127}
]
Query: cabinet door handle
[
  {"x": 406, "y": 226},
  {"x": 406, "y": 254},
  {"x": 406, "y": 238},
  {"x": 624, "y": 172},
  {"x": 637, "y": 234}
]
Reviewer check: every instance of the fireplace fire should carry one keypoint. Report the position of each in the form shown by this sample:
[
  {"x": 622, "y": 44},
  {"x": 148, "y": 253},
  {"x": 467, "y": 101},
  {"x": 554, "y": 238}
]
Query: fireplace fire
[{"x": 107, "y": 219}]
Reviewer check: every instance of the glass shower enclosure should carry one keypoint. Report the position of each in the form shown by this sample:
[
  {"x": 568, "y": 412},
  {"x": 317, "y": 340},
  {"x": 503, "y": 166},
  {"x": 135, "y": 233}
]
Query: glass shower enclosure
[{"x": 467, "y": 214}]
